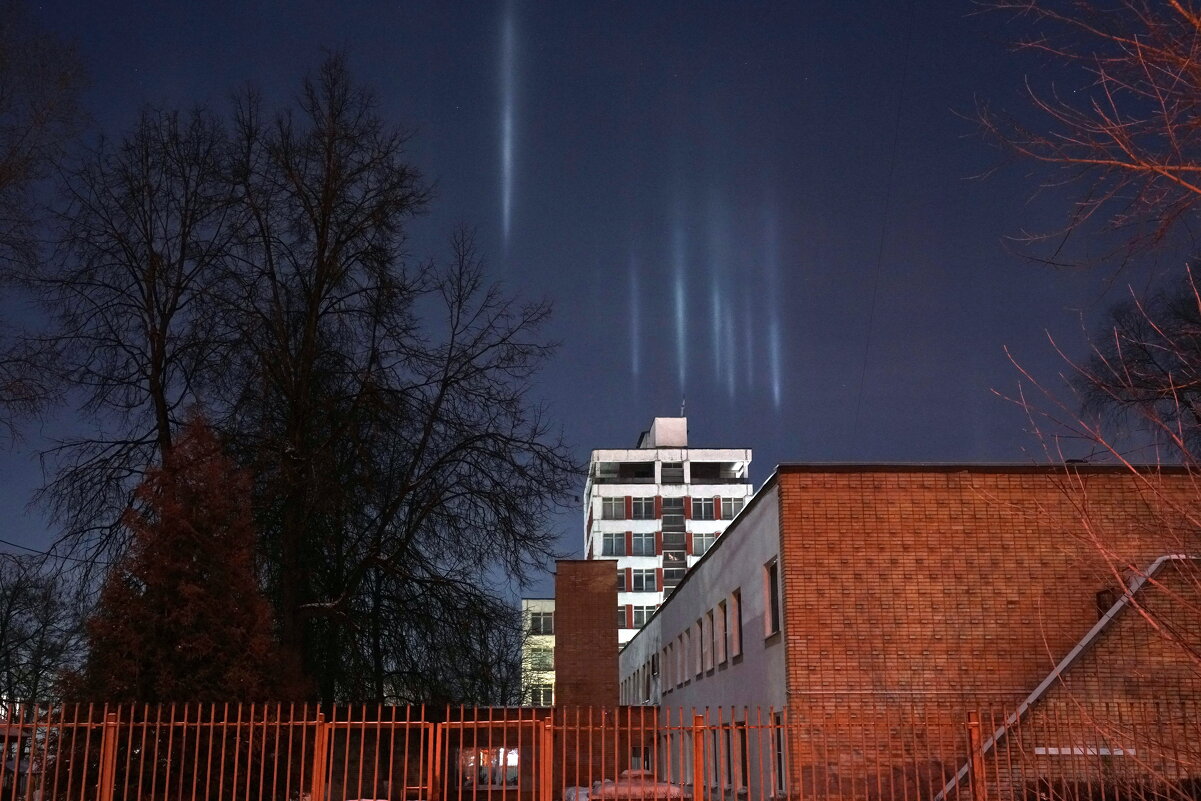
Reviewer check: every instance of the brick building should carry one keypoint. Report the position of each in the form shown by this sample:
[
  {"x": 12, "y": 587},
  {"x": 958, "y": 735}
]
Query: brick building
[{"x": 872, "y": 594}]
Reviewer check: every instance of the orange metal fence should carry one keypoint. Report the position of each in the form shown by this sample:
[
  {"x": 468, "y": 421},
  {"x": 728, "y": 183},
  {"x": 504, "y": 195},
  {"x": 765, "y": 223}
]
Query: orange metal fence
[{"x": 343, "y": 753}]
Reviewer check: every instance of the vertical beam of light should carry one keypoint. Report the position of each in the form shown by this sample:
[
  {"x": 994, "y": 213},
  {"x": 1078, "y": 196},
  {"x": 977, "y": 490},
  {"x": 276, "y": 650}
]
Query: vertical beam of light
[
  {"x": 731, "y": 347},
  {"x": 716, "y": 327},
  {"x": 635, "y": 333},
  {"x": 508, "y": 80},
  {"x": 718, "y": 255},
  {"x": 748, "y": 339},
  {"x": 677, "y": 257},
  {"x": 774, "y": 344}
]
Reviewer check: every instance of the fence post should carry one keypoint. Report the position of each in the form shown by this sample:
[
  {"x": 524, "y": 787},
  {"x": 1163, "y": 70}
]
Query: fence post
[
  {"x": 979, "y": 792},
  {"x": 546, "y": 762},
  {"x": 434, "y": 771},
  {"x": 698, "y": 757},
  {"x": 320, "y": 759},
  {"x": 108, "y": 757}
]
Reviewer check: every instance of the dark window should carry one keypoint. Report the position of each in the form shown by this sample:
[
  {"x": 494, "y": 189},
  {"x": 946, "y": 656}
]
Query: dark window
[
  {"x": 542, "y": 695},
  {"x": 644, "y": 508},
  {"x": 621, "y": 617},
  {"x": 643, "y": 581},
  {"x": 772, "y": 618},
  {"x": 642, "y": 614},
  {"x": 730, "y": 507},
  {"x": 621, "y": 580},
  {"x": 672, "y": 473},
  {"x": 702, "y": 509},
  {"x": 542, "y": 659},
  {"x": 614, "y": 544},
  {"x": 642, "y": 544},
  {"x": 542, "y": 622},
  {"x": 702, "y": 542}
]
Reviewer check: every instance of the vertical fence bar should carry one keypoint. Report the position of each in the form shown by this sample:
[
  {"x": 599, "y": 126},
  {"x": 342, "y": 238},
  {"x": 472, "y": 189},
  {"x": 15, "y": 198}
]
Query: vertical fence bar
[
  {"x": 108, "y": 757},
  {"x": 546, "y": 761},
  {"x": 979, "y": 792},
  {"x": 698, "y": 757},
  {"x": 320, "y": 757}
]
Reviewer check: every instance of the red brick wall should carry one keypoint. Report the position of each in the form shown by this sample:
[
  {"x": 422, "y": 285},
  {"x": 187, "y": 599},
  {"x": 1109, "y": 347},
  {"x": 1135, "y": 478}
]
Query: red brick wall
[
  {"x": 930, "y": 592},
  {"x": 586, "y": 633}
]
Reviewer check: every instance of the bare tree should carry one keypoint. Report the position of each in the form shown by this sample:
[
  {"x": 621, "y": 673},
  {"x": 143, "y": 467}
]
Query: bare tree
[
  {"x": 39, "y": 629},
  {"x": 401, "y": 473},
  {"x": 1116, "y": 98},
  {"x": 130, "y": 330}
]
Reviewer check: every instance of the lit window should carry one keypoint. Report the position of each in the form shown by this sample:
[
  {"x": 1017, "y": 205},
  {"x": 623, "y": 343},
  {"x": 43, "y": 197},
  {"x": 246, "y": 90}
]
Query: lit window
[
  {"x": 643, "y": 580},
  {"x": 642, "y": 614},
  {"x": 702, "y": 542},
  {"x": 542, "y": 622},
  {"x": 614, "y": 544},
  {"x": 644, "y": 508},
  {"x": 772, "y": 597},
  {"x": 613, "y": 509},
  {"x": 702, "y": 509},
  {"x": 489, "y": 767},
  {"x": 642, "y": 544}
]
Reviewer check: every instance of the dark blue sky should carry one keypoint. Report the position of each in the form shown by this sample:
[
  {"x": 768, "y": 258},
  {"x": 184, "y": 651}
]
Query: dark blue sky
[{"x": 730, "y": 161}]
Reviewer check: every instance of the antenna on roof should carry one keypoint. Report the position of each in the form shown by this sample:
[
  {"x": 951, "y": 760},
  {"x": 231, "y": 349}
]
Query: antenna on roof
[{"x": 683, "y": 402}]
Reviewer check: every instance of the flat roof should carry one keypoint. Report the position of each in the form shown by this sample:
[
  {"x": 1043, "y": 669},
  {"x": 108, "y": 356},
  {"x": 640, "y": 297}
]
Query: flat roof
[{"x": 973, "y": 467}]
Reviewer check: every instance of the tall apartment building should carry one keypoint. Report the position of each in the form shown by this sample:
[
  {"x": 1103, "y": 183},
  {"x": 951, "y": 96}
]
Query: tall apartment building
[{"x": 655, "y": 509}]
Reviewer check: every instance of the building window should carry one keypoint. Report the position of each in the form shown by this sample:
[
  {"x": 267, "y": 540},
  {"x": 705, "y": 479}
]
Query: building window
[
  {"x": 542, "y": 659},
  {"x": 642, "y": 614},
  {"x": 621, "y": 618},
  {"x": 672, "y": 576},
  {"x": 771, "y": 599},
  {"x": 644, "y": 508},
  {"x": 707, "y": 642},
  {"x": 613, "y": 509},
  {"x": 702, "y": 509},
  {"x": 721, "y": 620},
  {"x": 698, "y": 662},
  {"x": 730, "y": 507},
  {"x": 672, "y": 473},
  {"x": 682, "y": 659},
  {"x": 673, "y": 514},
  {"x": 542, "y": 695},
  {"x": 643, "y": 580},
  {"x": 642, "y": 543},
  {"x": 614, "y": 544},
  {"x": 702, "y": 542},
  {"x": 542, "y": 622},
  {"x": 489, "y": 767},
  {"x": 621, "y": 580},
  {"x": 736, "y": 623}
]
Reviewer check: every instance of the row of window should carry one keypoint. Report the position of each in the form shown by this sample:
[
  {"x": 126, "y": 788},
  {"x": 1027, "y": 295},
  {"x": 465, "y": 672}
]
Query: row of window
[
  {"x": 644, "y": 508},
  {"x": 638, "y": 615},
  {"x": 643, "y": 543}
]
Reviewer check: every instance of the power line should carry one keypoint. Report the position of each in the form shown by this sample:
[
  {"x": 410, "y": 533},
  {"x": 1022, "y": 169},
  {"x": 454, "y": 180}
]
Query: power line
[{"x": 50, "y": 555}]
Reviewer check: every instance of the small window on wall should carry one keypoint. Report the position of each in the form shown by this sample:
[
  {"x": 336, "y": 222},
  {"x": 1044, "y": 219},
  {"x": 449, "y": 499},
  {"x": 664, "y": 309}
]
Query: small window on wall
[
  {"x": 542, "y": 659},
  {"x": 621, "y": 618},
  {"x": 730, "y": 507},
  {"x": 642, "y": 614},
  {"x": 771, "y": 599},
  {"x": 542, "y": 695},
  {"x": 613, "y": 509},
  {"x": 721, "y": 621},
  {"x": 614, "y": 544},
  {"x": 736, "y": 623},
  {"x": 621, "y": 579},
  {"x": 644, "y": 508},
  {"x": 702, "y": 509}
]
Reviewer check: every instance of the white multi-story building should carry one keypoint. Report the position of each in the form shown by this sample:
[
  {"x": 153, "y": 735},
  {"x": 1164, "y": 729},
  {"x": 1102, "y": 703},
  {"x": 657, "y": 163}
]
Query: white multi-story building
[{"x": 656, "y": 508}]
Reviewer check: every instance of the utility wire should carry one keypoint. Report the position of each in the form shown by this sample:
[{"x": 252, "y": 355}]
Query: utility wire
[
  {"x": 12, "y": 544},
  {"x": 892, "y": 167}
]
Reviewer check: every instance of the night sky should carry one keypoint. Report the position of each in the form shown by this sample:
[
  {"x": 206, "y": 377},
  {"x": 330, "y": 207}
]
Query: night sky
[{"x": 774, "y": 210}]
